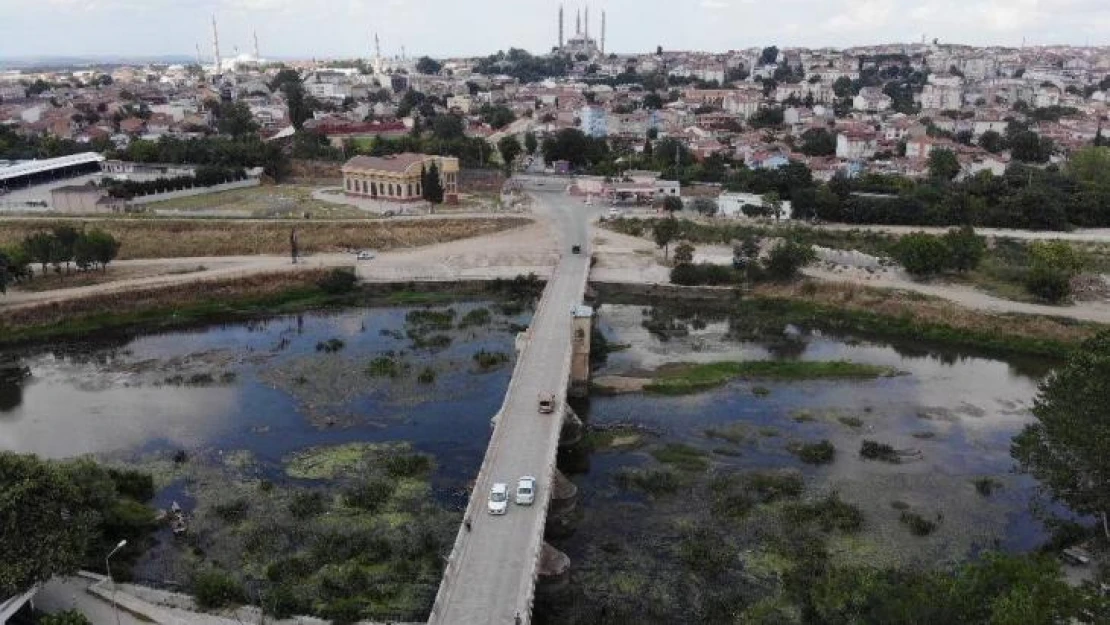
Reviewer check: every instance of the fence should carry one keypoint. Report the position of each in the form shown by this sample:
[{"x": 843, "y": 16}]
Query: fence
[{"x": 173, "y": 195}]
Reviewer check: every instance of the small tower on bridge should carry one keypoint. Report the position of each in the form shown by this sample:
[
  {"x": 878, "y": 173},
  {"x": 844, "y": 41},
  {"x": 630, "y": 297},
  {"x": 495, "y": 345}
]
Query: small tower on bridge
[{"x": 582, "y": 320}]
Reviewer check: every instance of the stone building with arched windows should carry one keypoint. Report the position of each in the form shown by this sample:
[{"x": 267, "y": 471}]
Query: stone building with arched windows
[{"x": 396, "y": 178}]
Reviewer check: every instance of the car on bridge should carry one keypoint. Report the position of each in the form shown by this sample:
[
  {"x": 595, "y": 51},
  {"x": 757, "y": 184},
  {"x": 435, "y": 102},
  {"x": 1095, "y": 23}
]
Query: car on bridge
[
  {"x": 499, "y": 498},
  {"x": 547, "y": 403},
  {"x": 526, "y": 491}
]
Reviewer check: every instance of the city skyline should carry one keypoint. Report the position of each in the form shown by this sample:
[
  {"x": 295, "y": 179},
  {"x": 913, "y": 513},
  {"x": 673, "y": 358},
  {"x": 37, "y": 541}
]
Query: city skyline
[{"x": 287, "y": 29}]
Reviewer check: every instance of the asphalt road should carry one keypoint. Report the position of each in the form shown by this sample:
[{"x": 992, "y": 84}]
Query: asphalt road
[{"x": 491, "y": 579}]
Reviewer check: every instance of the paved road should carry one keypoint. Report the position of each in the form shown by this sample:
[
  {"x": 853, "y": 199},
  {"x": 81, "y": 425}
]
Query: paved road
[{"x": 491, "y": 577}]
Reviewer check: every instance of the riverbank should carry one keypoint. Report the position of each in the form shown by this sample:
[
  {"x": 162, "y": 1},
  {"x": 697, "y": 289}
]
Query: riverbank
[
  {"x": 849, "y": 308},
  {"x": 191, "y": 304},
  {"x": 689, "y": 378}
]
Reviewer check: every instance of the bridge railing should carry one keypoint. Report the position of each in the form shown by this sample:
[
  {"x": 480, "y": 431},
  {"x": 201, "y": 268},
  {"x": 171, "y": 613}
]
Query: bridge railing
[{"x": 459, "y": 546}]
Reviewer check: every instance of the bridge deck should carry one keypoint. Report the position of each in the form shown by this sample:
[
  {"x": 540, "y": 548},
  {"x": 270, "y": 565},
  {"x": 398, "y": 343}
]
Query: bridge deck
[{"x": 490, "y": 576}]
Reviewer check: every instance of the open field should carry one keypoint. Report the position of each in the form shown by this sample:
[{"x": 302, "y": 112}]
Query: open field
[
  {"x": 285, "y": 201},
  {"x": 158, "y": 238}
]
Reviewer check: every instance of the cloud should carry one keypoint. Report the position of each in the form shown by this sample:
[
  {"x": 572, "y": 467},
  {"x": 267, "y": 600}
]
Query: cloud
[{"x": 714, "y": 5}]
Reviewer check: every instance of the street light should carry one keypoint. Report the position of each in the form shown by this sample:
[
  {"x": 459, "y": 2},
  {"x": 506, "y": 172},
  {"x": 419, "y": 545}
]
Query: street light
[{"x": 108, "y": 568}]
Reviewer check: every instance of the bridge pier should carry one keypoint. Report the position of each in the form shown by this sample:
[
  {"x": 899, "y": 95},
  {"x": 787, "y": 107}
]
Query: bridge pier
[
  {"x": 554, "y": 570},
  {"x": 583, "y": 320},
  {"x": 573, "y": 429}
]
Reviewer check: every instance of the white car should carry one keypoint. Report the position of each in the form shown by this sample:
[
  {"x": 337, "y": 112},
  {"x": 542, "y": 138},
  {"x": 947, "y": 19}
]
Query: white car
[
  {"x": 365, "y": 255},
  {"x": 499, "y": 498},
  {"x": 526, "y": 491}
]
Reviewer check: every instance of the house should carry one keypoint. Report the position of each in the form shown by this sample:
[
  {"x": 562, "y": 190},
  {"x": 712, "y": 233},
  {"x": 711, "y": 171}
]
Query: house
[
  {"x": 871, "y": 99},
  {"x": 856, "y": 145},
  {"x": 593, "y": 121},
  {"x": 732, "y": 205},
  {"x": 919, "y": 148},
  {"x": 397, "y": 177},
  {"x": 85, "y": 199}
]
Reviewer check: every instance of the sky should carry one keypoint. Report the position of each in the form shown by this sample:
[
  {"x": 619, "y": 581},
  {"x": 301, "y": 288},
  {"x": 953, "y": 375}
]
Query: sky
[{"x": 307, "y": 29}]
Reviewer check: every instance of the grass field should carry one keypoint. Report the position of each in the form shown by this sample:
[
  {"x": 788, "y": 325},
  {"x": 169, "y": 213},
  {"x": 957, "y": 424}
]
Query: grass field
[
  {"x": 685, "y": 378},
  {"x": 180, "y": 238},
  {"x": 289, "y": 201}
]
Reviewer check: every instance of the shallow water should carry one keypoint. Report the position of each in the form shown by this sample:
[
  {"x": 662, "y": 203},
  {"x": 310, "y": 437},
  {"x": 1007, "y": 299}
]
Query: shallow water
[{"x": 963, "y": 408}]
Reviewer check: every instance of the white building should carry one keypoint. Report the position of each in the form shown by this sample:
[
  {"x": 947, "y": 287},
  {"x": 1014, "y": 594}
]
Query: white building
[
  {"x": 732, "y": 205},
  {"x": 594, "y": 121},
  {"x": 856, "y": 145}
]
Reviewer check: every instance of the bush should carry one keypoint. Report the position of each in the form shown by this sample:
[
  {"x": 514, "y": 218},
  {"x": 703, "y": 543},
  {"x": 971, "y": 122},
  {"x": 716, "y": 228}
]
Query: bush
[
  {"x": 705, "y": 274},
  {"x": 815, "y": 453},
  {"x": 307, "y": 504},
  {"x": 338, "y": 281},
  {"x": 831, "y": 513},
  {"x": 770, "y": 486},
  {"x": 232, "y": 511},
  {"x": 681, "y": 456},
  {"x": 369, "y": 495},
  {"x": 786, "y": 260},
  {"x": 650, "y": 481},
  {"x": 872, "y": 450},
  {"x": 919, "y": 525},
  {"x": 922, "y": 254},
  {"x": 427, "y": 376},
  {"x": 330, "y": 346},
  {"x": 986, "y": 486},
  {"x": 1047, "y": 284},
  {"x": 1052, "y": 266},
  {"x": 488, "y": 360},
  {"x": 965, "y": 249},
  {"x": 214, "y": 589},
  {"x": 683, "y": 253},
  {"x": 69, "y": 617}
]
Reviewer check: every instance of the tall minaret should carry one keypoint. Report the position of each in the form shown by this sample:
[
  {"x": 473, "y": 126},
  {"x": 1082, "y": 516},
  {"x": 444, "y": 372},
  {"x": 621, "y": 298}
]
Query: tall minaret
[
  {"x": 216, "y": 44},
  {"x": 586, "y": 24},
  {"x": 560, "y": 27},
  {"x": 198, "y": 57},
  {"x": 258, "y": 57},
  {"x": 603, "y": 31},
  {"x": 578, "y": 23}
]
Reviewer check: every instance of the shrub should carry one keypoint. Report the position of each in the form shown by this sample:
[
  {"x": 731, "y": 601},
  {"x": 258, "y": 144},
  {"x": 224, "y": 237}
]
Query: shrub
[
  {"x": 1052, "y": 266},
  {"x": 488, "y": 360},
  {"x": 214, "y": 589},
  {"x": 705, "y": 274},
  {"x": 771, "y": 486},
  {"x": 650, "y": 481},
  {"x": 921, "y": 254},
  {"x": 338, "y": 281},
  {"x": 476, "y": 317},
  {"x": 388, "y": 365},
  {"x": 69, "y": 617},
  {"x": 681, "y": 456},
  {"x": 786, "y": 260},
  {"x": 307, "y": 504},
  {"x": 369, "y": 495},
  {"x": 232, "y": 511},
  {"x": 986, "y": 486},
  {"x": 872, "y": 450},
  {"x": 815, "y": 453},
  {"x": 330, "y": 346},
  {"x": 683, "y": 253},
  {"x": 427, "y": 376},
  {"x": 831, "y": 513},
  {"x": 919, "y": 525},
  {"x": 965, "y": 248}
]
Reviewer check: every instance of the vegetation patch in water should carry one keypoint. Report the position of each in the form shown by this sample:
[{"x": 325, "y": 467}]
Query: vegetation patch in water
[
  {"x": 655, "y": 482},
  {"x": 918, "y": 525},
  {"x": 681, "y": 456},
  {"x": 325, "y": 463},
  {"x": 686, "y": 378},
  {"x": 814, "y": 453},
  {"x": 830, "y": 513},
  {"x": 873, "y": 450}
]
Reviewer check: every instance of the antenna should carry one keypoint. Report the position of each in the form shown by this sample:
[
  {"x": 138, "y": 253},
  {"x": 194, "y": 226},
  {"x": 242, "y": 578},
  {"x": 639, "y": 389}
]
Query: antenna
[{"x": 216, "y": 43}]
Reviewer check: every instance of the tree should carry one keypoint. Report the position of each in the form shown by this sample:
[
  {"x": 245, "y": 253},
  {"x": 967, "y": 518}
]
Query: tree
[
  {"x": 235, "y": 119},
  {"x": 428, "y": 65},
  {"x": 1052, "y": 266},
  {"x": 1091, "y": 167},
  {"x": 818, "y": 142},
  {"x": 965, "y": 249},
  {"x": 1066, "y": 448},
  {"x": 530, "y": 143},
  {"x": 658, "y": 50},
  {"x": 684, "y": 253},
  {"x": 769, "y": 56},
  {"x": 510, "y": 148},
  {"x": 6, "y": 277},
  {"x": 786, "y": 259},
  {"x": 1028, "y": 147},
  {"x": 433, "y": 186},
  {"x": 102, "y": 247},
  {"x": 991, "y": 141},
  {"x": 672, "y": 204},
  {"x": 773, "y": 203},
  {"x": 663, "y": 232},
  {"x": 45, "y": 529},
  {"x": 943, "y": 164},
  {"x": 921, "y": 254},
  {"x": 39, "y": 247},
  {"x": 842, "y": 87},
  {"x": 705, "y": 206},
  {"x": 496, "y": 116},
  {"x": 652, "y": 101}
]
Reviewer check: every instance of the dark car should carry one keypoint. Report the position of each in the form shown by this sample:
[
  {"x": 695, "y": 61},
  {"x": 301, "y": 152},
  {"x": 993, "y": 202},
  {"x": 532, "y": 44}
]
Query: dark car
[{"x": 577, "y": 249}]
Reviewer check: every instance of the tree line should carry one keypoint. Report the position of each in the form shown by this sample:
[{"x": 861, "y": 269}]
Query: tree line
[
  {"x": 205, "y": 176},
  {"x": 57, "y": 249},
  {"x": 226, "y": 152}
]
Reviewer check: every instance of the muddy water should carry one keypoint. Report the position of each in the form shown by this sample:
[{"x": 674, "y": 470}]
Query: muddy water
[
  {"x": 952, "y": 414},
  {"x": 265, "y": 387}
]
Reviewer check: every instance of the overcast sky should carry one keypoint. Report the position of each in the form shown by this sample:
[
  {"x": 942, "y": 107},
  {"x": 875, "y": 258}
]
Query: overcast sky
[{"x": 342, "y": 28}]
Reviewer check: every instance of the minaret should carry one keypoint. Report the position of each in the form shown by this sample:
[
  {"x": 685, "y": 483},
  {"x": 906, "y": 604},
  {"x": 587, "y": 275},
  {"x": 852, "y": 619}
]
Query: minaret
[
  {"x": 216, "y": 44},
  {"x": 602, "y": 32},
  {"x": 258, "y": 57},
  {"x": 586, "y": 24},
  {"x": 578, "y": 23},
  {"x": 560, "y": 27},
  {"x": 198, "y": 57}
]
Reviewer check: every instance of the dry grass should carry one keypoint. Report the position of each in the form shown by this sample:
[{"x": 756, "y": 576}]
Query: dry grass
[
  {"x": 163, "y": 298},
  {"x": 51, "y": 280},
  {"x": 927, "y": 310},
  {"x": 180, "y": 238}
]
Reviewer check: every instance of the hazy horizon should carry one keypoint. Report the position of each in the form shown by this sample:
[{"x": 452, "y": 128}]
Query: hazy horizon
[{"x": 291, "y": 30}]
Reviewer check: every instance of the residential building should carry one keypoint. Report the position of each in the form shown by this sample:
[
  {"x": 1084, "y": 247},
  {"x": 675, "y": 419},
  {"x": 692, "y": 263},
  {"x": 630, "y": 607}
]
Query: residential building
[
  {"x": 594, "y": 121},
  {"x": 856, "y": 145}
]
